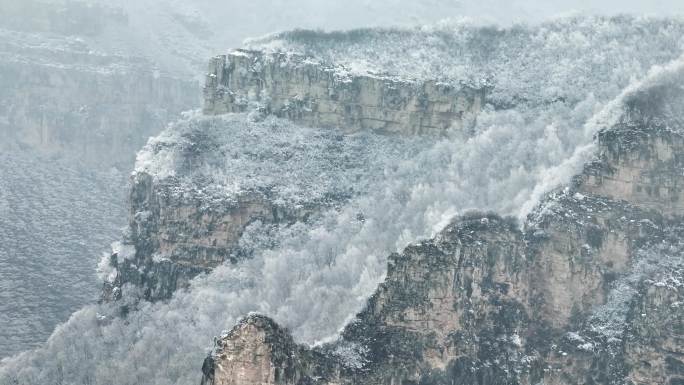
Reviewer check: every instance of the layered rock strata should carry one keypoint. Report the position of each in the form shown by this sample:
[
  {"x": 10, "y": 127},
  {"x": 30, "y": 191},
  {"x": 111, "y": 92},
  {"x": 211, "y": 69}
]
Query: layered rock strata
[
  {"x": 590, "y": 291},
  {"x": 173, "y": 240},
  {"x": 319, "y": 94}
]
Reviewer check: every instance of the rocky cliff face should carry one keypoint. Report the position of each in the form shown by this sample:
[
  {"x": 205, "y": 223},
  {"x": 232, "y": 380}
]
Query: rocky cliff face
[
  {"x": 569, "y": 297},
  {"x": 267, "y": 355},
  {"x": 192, "y": 209},
  {"x": 320, "y": 94},
  {"x": 589, "y": 291},
  {"x": 176, "y": 239},
  {"x": 172, "y": 239}
]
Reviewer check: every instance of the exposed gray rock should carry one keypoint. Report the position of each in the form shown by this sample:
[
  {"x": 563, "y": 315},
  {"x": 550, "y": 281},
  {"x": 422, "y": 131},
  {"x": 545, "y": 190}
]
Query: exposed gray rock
[
  {"x": 267, "y": 354},
  {"x": 654, "y": 346},
  {"x": 327, "y": 95}
]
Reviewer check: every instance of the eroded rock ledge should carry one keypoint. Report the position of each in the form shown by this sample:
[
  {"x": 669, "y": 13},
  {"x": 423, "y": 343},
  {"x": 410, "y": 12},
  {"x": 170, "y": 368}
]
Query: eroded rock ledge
[
  {"x": 590, "y": 291},
  {"x": 318, "y": 94}
]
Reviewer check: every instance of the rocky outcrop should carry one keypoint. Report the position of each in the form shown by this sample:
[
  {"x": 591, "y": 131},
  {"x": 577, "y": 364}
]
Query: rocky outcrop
[
  {"x": 585, "y": 291},
  {"x": 172, "y": 240},
  {"x": 206, "y": 181},
  {"x": 258, "y": 351},
  {"x": 655, "y": 346},
  {"x": 315, "y": 86},
  {"x": 486, "y": 303},
  {"x": 318, "y": 94},
  {"x": 640, "y": 162},
  {"x": 589, "y": 291}
]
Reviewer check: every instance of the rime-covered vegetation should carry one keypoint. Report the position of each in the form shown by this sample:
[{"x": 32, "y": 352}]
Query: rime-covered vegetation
[
  {"x": 225, "y": 156},
  {"x": 562, "y": 60}
]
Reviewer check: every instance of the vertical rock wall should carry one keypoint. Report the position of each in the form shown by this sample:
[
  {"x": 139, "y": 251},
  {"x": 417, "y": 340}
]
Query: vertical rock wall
[
  {"x": 173, "y": 239},
  {"x": 321, "y": 95}
]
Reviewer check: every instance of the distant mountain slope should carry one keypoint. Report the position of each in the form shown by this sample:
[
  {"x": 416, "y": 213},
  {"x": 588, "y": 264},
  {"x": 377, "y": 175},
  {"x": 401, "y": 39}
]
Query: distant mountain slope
[{"x": 56, "y": 219}]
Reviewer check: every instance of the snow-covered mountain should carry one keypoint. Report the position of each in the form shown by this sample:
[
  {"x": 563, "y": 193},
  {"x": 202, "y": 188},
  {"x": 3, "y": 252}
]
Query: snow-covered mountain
[{"x": 343, "y": 195}]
